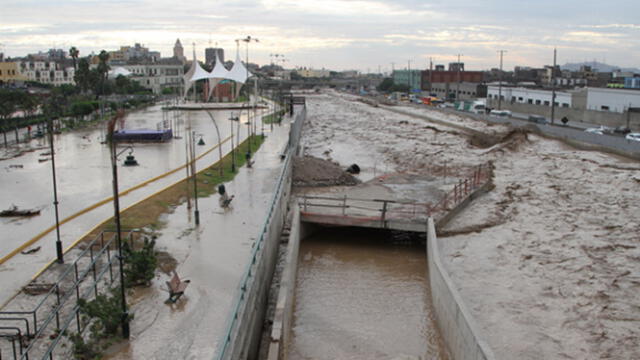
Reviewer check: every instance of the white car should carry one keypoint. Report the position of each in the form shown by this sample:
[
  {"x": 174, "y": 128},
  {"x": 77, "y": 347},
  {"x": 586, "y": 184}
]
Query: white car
[
  {"x": 633, "y": 136},
  {"x": 595, "y": 131},
  {"x": 500, "y": 113}
]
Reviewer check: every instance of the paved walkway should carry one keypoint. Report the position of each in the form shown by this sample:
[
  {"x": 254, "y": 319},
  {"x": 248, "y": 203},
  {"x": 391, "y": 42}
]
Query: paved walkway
[{"x": 213, "y": 257}]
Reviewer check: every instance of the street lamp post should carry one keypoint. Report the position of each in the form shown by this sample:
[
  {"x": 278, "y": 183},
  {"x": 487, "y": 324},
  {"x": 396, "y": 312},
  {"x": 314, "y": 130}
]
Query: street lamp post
[
  {"x": 55, "y": 193},
  {"x": 247, "y": 40},
  {"x": 194, "y": 175},
  {"x": 219, "y": 142},
  {"x": 116, "y": 208},
  {"x": 458, "y": 87},
  {"x": 233, "y": 150}
]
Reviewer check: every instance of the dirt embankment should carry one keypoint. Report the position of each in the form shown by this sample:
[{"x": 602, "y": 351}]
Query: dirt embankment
[{"x": 311, "y": 171}]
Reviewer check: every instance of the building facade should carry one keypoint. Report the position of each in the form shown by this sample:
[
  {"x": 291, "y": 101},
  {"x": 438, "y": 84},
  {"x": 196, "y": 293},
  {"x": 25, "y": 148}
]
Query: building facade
[
  {"x": 157, "y": 77},
  {"x": 408, "y": 77},
  {"x": 178, "y": 52},
  {"x": 312, "y": 73},
  {"x": 467, "y": 90},
  {"x": 210, "y": 55},
  {"x": 612, "y": 100},
  {"x": 529, "y": 96},
  {"x": 10, "y": 73},
  {"x": 47, "y": 72}
]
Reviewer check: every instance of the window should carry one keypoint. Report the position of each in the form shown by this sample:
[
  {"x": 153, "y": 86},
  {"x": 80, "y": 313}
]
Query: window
[
  {"x": 520, "y": 99},
  {"x": 513, "y": 98},
  {"x": 565, "y": 105},
  {"x": 530, "y": 101},
  {"x": 0, "y": 72},
  {"x": 538, "y": 102},
  {"x": 605, "y": 108},
  {"x": 555, "y": 103},
  {"x": 546, "y": 103}
]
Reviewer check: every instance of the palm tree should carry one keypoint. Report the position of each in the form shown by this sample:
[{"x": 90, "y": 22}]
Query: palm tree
[
  {"x": 82, "y": 76},
  {"x": 73, "y": 52},
  {"x": 103, "y": 68}
]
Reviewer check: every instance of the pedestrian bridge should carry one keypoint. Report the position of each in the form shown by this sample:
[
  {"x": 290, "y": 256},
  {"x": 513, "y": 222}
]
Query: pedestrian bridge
[{"x": 391, "y": 214}]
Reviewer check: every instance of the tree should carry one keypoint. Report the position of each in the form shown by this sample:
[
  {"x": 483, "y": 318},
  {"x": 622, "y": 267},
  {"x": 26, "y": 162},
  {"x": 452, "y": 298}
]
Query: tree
[
  {"x": 385, "y": 85},
  {"x": 8, "y": 105},
  {"x": 73, "y": 52},
  {"x": 103, "y": 71},
  {"x": 83, "y": 75}
]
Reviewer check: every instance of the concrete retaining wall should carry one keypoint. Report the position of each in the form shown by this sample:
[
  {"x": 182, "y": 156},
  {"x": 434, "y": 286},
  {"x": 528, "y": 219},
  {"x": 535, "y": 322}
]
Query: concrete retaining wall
[
  {"x": 606, "y": 118},
  {"x": 456, "y": 325},
  {"x": 283, "y": 316}
]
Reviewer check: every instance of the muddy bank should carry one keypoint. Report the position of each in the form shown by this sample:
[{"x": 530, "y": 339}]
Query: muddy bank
[{"x": 312, "y": 171}]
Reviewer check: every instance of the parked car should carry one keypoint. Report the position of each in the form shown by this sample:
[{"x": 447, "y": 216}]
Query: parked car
[
  {"x": 622, "y": 130},
  {"x": 500, "y": 113},
  {"x": 633, "y": 136},
  {"x": 538, "y": 119}
]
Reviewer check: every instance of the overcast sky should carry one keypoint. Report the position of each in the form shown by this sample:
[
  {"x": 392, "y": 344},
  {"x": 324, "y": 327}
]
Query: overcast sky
[{"x": 338, "y": 34}]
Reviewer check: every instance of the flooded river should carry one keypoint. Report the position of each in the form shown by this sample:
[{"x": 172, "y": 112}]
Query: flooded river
[{"x": 361, "y": 294}]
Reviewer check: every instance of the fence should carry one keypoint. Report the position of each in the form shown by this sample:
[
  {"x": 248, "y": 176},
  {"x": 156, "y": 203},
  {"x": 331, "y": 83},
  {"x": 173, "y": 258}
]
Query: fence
[
  {"x": 242, "y": 335},
  {"x": 48, "y": 322}
]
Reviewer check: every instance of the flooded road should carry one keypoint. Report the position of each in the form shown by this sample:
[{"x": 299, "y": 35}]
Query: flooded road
[
  {"x": 84, "y": 178},
  {"x": 360, "y": 295}
]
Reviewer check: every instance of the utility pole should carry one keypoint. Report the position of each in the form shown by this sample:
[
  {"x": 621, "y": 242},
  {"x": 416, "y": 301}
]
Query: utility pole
[
  {"x": 500, "y": 80},
  {"x": 553, "y": 87},
  {"x": 458, "y": 87},
  {"x": 409, "y": 75},
  {"x": 430, "y": 76}
]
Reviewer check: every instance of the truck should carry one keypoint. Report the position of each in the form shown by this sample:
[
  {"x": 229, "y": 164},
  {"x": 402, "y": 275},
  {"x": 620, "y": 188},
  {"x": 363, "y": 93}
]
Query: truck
[{"x": 475, "y": 106}]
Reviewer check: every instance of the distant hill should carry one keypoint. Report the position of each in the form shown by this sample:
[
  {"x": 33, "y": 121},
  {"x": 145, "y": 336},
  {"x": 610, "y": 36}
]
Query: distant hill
[{"x": 601, "y": 67}]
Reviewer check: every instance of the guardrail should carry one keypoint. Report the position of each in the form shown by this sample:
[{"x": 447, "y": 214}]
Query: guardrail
[
  {"x": 237, "y": 339},
  {"x": 57, "y": 306}
]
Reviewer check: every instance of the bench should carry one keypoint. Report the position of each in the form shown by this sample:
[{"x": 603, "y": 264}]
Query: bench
[{"x": 176, "y": 287}]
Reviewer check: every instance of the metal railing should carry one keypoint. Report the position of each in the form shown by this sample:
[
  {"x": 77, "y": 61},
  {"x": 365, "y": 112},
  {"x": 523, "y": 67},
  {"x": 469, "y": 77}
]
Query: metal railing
[
  {"x": 386, "y": 210},
  {"x": 247, "y": 281},
  {"x": 54, "y": 313}
]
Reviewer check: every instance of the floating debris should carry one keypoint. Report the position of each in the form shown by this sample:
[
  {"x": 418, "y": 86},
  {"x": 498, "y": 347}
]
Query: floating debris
[
  {"x": 14, "y": 211},
  {"x": 30, "y": 251}
]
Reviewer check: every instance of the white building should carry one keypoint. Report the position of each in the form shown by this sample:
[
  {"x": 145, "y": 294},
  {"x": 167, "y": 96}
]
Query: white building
[
  {"x": 311, "y": 73},
  {"x": 157, "y": 76},
  {"x": 614, "y": 100},
  {"x": 530, "y": 96},
  {"x": 47, "y": 72}
]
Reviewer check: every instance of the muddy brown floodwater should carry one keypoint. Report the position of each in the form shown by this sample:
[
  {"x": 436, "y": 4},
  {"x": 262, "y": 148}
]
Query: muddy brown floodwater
[{"x": 362, "y": 294}]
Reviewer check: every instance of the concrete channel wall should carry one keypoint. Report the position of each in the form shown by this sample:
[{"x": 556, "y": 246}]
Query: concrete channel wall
[
  {"x": 244, "y": 325},
  {"x": 457, "y": 327},
  {"x": 283, "y": 315}
]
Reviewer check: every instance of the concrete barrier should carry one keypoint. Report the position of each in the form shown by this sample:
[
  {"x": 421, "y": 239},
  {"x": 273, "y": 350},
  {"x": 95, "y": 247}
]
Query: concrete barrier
[
  {"x": 283, "y": 315},
  {"x": 241, "y": 339},
  {"x": 456, "y": 325}
]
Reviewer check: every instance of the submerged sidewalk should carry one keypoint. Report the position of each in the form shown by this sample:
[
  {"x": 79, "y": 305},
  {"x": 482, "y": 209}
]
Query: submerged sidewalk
[{"x": 213, "y": 256}]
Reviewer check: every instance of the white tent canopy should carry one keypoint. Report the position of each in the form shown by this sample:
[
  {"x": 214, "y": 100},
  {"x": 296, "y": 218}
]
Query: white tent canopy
[
  {"x": 114, "y": 73},
  {"x": 238, "y": 73},
  {"x": 218, "y": 74},
  {"x": 219, "y": 71}
]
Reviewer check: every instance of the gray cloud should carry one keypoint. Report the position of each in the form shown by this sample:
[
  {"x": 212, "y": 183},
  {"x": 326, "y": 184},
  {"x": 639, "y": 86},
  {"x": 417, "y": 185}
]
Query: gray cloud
[{"x": 338, "y": 34}]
